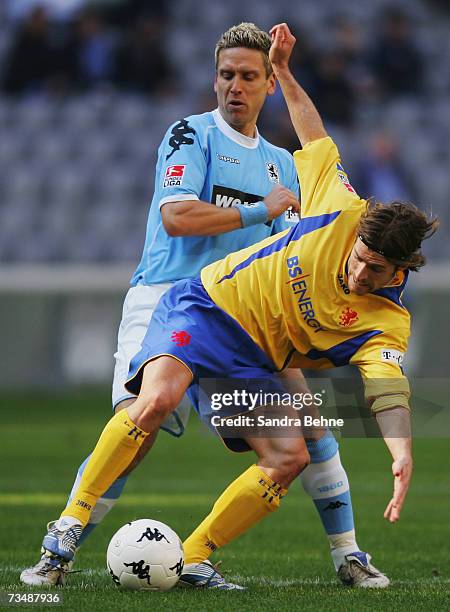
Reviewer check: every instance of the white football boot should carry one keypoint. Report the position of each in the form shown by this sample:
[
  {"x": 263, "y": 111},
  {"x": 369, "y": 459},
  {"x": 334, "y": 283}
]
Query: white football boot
[
  {"x": 57, "y": 553},
  {"x": 357, "y": 571},
  {"x": 205, "y": 575}
]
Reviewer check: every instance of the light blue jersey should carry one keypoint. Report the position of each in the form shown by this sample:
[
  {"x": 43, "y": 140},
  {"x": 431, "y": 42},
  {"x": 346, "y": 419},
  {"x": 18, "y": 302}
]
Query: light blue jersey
[{"x": 203, "y": 158}]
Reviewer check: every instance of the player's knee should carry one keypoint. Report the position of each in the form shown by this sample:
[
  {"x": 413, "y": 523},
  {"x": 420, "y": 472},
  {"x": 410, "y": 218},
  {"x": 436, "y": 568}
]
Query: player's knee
[
  {"x": 293, "y": 462},
  {"x": 154, "y": 409}
]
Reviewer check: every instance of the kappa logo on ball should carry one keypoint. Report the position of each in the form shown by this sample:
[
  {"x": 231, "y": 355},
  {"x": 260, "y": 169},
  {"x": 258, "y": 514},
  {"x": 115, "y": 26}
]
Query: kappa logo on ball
[
  {"x": 174, "y": 175},
  {"x": 181, "y": 338}
]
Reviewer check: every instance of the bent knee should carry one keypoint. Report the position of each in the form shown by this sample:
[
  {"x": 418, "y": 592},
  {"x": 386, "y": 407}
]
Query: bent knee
[
  {"x": 296, "y": 462},
  {"x": 285, "y": 463},
  {"x": 150, "y": 411}
]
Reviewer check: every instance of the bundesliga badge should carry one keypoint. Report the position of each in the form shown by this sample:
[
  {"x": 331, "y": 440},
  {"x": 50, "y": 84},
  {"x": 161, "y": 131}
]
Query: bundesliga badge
[{"x": 174, "y": 176}]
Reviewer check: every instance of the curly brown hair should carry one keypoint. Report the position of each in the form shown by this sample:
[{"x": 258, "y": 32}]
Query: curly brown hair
[{"x": 396, "y": 231}]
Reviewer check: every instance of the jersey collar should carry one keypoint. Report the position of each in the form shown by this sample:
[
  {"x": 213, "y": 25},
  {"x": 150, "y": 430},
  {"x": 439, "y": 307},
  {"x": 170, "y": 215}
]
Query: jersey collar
[{"x": 240, "y": 139}]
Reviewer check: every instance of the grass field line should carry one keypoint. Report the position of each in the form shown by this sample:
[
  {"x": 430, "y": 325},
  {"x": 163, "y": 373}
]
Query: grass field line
[
  {"x": 155, "y": 499},
  {"x": 254, "y": 580}
]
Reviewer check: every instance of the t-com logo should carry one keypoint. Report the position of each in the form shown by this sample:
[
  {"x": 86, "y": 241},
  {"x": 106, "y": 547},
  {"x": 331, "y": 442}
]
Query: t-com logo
[
  {"x": 174, "y": 176},
  {"x": 392, "y": 356}
]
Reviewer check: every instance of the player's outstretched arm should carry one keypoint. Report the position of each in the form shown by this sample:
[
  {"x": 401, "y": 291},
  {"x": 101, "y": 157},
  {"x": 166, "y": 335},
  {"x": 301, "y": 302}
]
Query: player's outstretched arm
[
  {"x": 304, "y": 115},
  {"x": 197, "y": 218},
  {"x": 395, "y": 426}
]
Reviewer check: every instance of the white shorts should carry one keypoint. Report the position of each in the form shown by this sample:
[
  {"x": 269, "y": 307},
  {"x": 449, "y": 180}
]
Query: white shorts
[{"x": 138, "y": 307}]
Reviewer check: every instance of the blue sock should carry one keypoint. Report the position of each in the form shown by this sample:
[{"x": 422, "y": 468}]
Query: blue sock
[{"x": 326, "y": 482}]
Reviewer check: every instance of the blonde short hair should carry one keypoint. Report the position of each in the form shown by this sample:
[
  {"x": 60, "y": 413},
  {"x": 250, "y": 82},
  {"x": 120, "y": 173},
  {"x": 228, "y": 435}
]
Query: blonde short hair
[{"x": 249, "y": 36}]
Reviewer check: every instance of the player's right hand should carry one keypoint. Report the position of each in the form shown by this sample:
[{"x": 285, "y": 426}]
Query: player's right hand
[
  {"x": 402, "y": 470},
  {"x": 280, "y": 199}
]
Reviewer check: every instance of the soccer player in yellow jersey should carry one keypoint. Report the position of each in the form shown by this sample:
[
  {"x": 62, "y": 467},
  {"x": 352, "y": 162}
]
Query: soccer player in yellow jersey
[{"x": 323, "y": 294}]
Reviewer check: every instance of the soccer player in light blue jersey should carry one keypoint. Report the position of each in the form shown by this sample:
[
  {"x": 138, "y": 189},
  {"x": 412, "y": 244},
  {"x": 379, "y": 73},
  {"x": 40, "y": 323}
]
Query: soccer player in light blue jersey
[{"x": 219, "y": 187}]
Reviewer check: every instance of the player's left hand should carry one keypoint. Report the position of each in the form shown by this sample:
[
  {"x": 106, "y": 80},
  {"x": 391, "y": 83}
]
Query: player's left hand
[
  {"x": 402, "y": 471},
  {"x": 282, "y": 44}
]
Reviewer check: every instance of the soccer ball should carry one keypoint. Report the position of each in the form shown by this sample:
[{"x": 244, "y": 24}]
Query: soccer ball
[{"x": 145, "y": 555}]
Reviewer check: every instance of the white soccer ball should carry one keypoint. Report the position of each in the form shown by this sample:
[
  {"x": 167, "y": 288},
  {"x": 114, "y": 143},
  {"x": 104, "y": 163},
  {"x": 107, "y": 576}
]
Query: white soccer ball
[{"x": 145, "y": 555}]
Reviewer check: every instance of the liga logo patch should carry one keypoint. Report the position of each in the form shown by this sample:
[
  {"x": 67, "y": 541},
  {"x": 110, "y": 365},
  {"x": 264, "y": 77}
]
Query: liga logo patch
[
  {"x": 344, "y": 178},
  {"x": 392, "y": 355},
  {"x": 174, "y": 176}
]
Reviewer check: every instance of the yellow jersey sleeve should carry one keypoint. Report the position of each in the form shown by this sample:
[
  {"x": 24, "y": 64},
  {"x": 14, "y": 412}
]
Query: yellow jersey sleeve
[
  {"x": 324, "y": 183},
  {"x": 379, "y": 361}
]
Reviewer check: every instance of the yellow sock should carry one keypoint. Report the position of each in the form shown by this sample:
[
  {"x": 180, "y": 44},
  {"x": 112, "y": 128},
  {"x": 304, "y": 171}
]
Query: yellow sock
[
  {"x": 115, "y": 450},
  {"x": 246, "y": 501}
]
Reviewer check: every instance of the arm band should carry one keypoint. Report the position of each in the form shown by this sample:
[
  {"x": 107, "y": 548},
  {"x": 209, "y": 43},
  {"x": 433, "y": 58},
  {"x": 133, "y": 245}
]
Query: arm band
[
  {"x": 386, "y": 402},
  {"x": 253, "y": 214}
]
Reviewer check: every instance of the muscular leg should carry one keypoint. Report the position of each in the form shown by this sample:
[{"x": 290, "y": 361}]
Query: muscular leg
[
  {"x": 146, "y": 445},
  {"x": 164, "y": 383},
  {"x": 252, "y": 496},
  {"x": 110, "y": 497}
]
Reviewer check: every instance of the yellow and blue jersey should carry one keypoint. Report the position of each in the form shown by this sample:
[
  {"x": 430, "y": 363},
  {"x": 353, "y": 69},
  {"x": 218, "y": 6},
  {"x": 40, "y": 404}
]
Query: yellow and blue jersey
[{"x": 289, "y": 292}]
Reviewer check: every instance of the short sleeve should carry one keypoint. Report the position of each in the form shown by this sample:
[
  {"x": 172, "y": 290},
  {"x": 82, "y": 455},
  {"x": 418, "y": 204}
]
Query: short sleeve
[
  {"x": 325, "y": 186},
  {"x": 182, "y": 165},
  {"x": 379, "y": 361}
]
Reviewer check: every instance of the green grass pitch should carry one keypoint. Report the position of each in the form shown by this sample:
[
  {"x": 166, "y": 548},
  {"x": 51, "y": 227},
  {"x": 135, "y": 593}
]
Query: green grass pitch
[{"x": 284, "y": 561}]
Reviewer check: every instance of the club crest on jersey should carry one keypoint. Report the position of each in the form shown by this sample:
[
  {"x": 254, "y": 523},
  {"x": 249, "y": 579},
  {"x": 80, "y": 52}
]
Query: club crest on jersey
[
  {"x": 174, "y": 176},
  {"x": 348, "y": 317},
  {"x": 181, "y": 338},
  {"x": 344, "y": 178},
  {"x": 272, "y": 171}
]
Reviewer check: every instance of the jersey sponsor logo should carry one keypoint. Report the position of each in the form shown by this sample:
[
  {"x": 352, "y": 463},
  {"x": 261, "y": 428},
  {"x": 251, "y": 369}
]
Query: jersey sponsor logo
[
  {"x": 344, "y": 178},
  {"x": 180, "y": 136},
  {"x": 299, "y": 288},
  {"x": 343, "y": 284},
  {"x": 226, "y": 158},
  {"x": 181, "y": 338},
  {"x": 272, "y": 171},
  {"x": 392, "y": 356},
  {"x": 224, "y": 197},
  {"x": 174, "y": 176},
  {"x": 290, "y": 216},
  {"x": 348, "y": 317}
]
